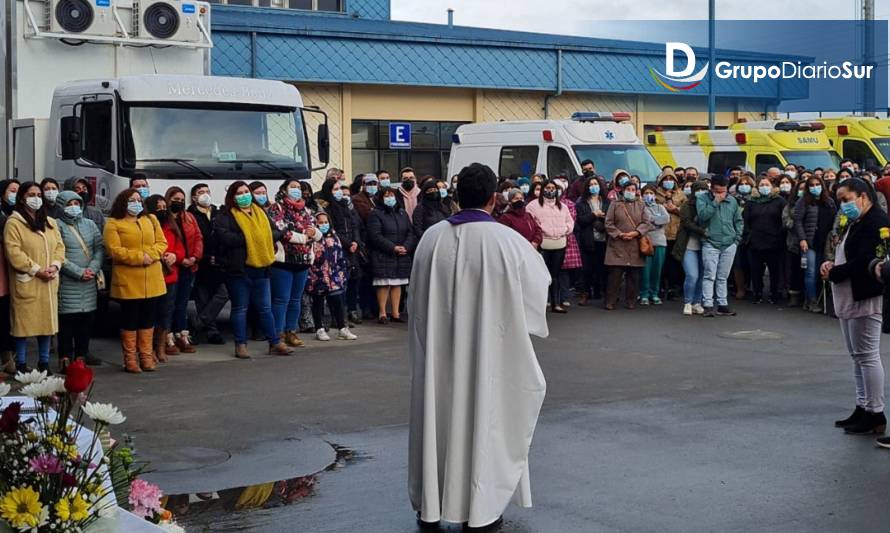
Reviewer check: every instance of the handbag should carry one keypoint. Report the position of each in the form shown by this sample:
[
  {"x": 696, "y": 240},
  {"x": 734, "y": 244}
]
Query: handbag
[
  {"x": 553, "y": 244},
  {"x": 645, "y": 244},
  {"x": 100, "y": 275}
]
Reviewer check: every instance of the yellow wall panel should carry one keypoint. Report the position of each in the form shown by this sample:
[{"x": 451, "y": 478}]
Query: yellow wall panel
[
  {"x": 412, "y": 103},
  {"x": 329, "y": 99}
]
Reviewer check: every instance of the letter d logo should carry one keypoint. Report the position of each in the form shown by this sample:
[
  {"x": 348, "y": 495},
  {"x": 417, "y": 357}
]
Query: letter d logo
[
  {"x": 669, "y": 50},
  {"x": 683, "y": 80}
]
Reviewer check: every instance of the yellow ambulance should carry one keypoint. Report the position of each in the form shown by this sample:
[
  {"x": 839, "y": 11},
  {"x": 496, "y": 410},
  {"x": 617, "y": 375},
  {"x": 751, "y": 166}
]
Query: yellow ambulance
[
  {"x": 865, "y": 140},
  {"x": 751, "y": 146}
]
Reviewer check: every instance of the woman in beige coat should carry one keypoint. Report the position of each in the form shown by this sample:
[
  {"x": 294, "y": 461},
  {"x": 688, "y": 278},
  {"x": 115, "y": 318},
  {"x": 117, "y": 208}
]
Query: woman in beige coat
[
  {"x": 626, "y": 221},
  {"x": 34, "y": 253}
]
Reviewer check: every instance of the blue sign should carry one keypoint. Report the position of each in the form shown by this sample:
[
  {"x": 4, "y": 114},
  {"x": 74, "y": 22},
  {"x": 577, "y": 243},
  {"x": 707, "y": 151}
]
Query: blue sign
[
  {"x": 188, "y": 8},
  {"x": 103, "y": 3},
  {"x": 400, "y": 135}
]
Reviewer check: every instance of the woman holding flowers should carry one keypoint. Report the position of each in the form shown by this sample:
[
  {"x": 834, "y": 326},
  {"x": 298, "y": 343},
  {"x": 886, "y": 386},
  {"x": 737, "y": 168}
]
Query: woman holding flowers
[{"x": 35, "y": 254}]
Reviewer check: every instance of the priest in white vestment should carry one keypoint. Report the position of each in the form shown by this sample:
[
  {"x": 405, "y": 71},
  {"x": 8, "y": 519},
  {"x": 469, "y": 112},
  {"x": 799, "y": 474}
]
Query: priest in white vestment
[{"x": 478, "y": 289}]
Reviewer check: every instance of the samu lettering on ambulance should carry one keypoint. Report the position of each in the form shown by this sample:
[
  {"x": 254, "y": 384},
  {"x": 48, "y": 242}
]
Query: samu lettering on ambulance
[{"x": 846, "y": 70}]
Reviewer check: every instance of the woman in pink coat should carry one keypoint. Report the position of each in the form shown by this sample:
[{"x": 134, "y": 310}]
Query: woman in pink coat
[{"x": 556, "y": 226}]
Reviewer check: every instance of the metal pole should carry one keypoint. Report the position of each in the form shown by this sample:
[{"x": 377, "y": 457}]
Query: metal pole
[{"x": 712, "y": 99}]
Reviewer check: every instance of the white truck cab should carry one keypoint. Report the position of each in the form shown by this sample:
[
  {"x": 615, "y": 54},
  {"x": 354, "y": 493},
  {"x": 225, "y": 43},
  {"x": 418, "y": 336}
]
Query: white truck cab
[{"x": 517, "y": 149}]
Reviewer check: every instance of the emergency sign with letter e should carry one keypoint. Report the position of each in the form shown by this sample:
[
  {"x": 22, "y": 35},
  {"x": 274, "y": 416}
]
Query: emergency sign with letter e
[{"x": 399, "y": 135}]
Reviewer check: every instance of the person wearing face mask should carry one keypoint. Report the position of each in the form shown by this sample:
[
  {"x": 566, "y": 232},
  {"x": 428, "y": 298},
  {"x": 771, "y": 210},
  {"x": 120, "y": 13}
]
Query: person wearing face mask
[
  {"x": 659, "y": 218},
  {"x": 571, "y": 263},
  {"x": 669, "y": 194},
  {"x": 365, "y": 201},
  {"x": 590, "y": 224},
  {"x": 791, "y": 171},
  {"x": 294, "y": 256},
  {"x": 786, "y": 186},
  {"x": 171, "y": 264},
  {"x": 50, "y": 189},
  {"x": 8, "y": 193},
  {"x": 792, "y": 279},
  {"x": 719, "y": 212},
  {"x": 856, "y": 276},
  {"x": 524, "y": 185},
  {"x": 556, "y": 224},
  {"x": 327, "y": 281},
  {"x": 140, "y": 183},
  {"x": 627, "y": 221},
  {"x": 620, "y": 180},
  {"x": 741, "y": 268},
  {"x": 392, "y": 240},
  {"x": 84, "y": 189},
  {"x": 260, "y": 194},
  {"x": 209, "y": 288},
  {"x": 813, "y": 220},
  {"x": 687, "y": 249},
  {"x": 520, "y": 220},
  {"x": 34, "y": 249},
  {"x": 502, "y": 201},
  {"x": 764, "y": 237},
  {"x": 432, "y": 209},
  {"x": 408, "y": 190},
  {"x": 78, "y": 280},
  {"x": 136, "y": 244},
  {"x": 193, "y": 244},
  {"x": 535, "y": 193},
  {"x": 348, "y": 228}
]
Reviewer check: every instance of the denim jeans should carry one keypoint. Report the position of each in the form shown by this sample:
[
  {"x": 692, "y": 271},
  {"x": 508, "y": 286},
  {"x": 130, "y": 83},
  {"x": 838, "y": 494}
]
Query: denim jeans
[
  {"x": 181, "y": 302},
  {"x": 287, "y": 297},
  {"x": 21, "y": 349},
  {"x": 252, "y": 288},
  {"x": 811, "y": 275},
  {"x": 650, "y": 283},
  {"x": 717, "y": 266},
  {"x": 166, "y": 303},
  {"x": 692, "y": 285}
]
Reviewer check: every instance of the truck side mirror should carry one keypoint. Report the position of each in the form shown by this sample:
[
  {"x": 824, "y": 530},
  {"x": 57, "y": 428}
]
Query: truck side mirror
[
  {"x": 324, "y": 144},
  {"x": 70, "y": 137}
]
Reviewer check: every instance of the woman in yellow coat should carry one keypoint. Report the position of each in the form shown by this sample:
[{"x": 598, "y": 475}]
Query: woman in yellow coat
[
  {"x": 136, "y": 244},
  {"x": 34, "y": 253}
]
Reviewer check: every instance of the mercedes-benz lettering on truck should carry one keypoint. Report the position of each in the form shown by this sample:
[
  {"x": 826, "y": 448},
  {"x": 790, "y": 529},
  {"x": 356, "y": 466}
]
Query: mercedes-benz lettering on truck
[{"x": 138, "y": 101}]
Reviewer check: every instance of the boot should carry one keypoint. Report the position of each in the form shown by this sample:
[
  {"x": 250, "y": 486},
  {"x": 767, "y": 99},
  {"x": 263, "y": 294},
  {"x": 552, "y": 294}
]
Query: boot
[
  {"x": 584, "y": 301},
  {"x": 851, "y": 420},
  {"x": 241, "y": 351},
  {"x": 291, "y": 339},
  {"x": 170, "y": 344},
  {"x": 740, "y": 284},
  {"x": 280, "y": 349},
  {"x": 7, "y": 359},
  {"x": 128, "y": 346},
  {"x": 144, "y": 339},
  {"x": 182, "y": 342},
  {"x": 868, "y": 424},
  {"x": 159, "y": 342},
  {"x": 793, "y": 298}
]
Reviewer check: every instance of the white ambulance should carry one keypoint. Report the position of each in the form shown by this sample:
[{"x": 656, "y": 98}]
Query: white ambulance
[{"x": 517, "y": 149}]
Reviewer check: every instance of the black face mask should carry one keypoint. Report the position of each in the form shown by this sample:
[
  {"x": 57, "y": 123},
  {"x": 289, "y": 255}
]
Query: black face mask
[
  {"x": 85, "y": 196},
  {"x": 517, "y": 205},
  {"x": 550, "y": 195},
  {"x": 433, "y": 196},
  {"x": 177, "y": 207},
  {"x": 162, "y": 215},
  {"x": 408, "y": 185}
]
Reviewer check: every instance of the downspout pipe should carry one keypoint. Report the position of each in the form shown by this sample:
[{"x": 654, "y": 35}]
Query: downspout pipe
[{"x": 558, "y": 92}]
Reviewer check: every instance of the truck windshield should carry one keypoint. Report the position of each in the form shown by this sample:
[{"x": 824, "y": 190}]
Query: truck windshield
[
  {"x": 208, "y": 138},
  {"x": 813, "y": 158},
  {"x": 883, "y": 144},
  {"x": 631, "y": 157}
]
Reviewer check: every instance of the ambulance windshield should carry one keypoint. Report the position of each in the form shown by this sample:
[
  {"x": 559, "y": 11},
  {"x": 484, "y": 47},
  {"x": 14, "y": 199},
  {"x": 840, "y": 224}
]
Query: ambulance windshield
[
  {"x": 631, "y": 157},
  {"x": 813, "y": 158},
  {"x": 883, "y": 144}
]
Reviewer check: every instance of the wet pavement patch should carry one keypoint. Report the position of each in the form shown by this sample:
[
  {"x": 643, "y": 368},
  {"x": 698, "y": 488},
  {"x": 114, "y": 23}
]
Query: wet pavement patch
[{"x": 752, "y": 335}]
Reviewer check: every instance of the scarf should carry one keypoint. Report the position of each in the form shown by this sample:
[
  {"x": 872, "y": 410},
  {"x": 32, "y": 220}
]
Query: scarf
[{"x": 257, "y": 236}]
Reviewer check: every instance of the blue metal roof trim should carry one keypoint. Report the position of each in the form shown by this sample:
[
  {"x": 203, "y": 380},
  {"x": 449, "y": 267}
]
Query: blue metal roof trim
[{"x": 368, "y": 9}]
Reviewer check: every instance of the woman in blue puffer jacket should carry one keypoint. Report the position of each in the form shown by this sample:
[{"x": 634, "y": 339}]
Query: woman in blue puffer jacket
[{"x": 78, "y": 286}]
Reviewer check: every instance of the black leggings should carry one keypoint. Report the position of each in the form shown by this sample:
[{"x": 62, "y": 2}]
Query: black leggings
[
  {"x": 554, "y": 259},
  {"x": 74, "y": 334},
  {"x": 593, "y": 279},
  {"x": 139, "y": 313},
  {"x": 760, "y": 261},
  {"x": 335, "y": 305}
]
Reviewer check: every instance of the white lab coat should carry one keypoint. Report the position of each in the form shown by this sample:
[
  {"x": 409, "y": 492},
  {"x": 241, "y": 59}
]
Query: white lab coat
[{"x": 477, "y": 291}]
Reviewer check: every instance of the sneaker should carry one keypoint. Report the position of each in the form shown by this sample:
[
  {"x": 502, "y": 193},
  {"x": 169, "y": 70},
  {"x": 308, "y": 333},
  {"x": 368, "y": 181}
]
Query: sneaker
[
  {"x": 724, "y": 310},
  {"x": 322, "y": 335},
  {"x": 687, "y": 309},
  {"x": 346, "y": 335},
  {"x": 708, "y": 312},
  {"x": 883, "y": 442},
  {"x": 697, "y": 309},
  {"x": 567, "y": 303},
  {"x": 644, "y": 301},
  {"x": 656, "y": 300}
]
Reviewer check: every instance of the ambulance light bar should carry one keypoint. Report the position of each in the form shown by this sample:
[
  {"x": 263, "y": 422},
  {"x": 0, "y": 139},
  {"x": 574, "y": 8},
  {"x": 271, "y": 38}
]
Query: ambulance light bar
[
  {"x": 594, "y": 116},
  {"x": 799, "y": 126}
]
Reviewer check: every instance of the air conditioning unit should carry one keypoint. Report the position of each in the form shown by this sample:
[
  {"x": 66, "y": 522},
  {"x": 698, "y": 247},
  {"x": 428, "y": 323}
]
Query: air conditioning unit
[
  {"x": 81, "y": 17},
  {"x": 167, "y": 20}
]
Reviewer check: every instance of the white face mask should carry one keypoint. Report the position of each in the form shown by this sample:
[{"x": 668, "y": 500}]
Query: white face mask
[
  {"x": 34, "y": 202},
  {"x": 791, "y": 173},
  {"x": 204, "y": 200}
]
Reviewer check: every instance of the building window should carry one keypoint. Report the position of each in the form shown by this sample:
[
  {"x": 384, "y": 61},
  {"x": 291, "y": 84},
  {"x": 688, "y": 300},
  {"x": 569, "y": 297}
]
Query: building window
[
  {"x": 329, "y": 5},
  {"x": 428, "y": 155}
]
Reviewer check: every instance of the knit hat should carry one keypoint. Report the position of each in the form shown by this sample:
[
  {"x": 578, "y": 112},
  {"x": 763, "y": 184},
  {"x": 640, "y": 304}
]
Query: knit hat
[{"x": 523, "y": 181}]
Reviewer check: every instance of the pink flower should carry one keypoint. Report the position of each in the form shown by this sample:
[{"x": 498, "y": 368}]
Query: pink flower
[
  {"x": 145, "y": 498},
  {"x": 46, "y": 464}
]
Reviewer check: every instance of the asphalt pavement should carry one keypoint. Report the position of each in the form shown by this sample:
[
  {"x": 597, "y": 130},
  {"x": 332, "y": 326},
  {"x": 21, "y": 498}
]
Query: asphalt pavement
[{"x": 652, "y": 422}]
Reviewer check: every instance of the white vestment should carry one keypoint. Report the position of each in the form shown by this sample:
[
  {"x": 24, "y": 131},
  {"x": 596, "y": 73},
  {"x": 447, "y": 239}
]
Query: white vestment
[{"x": 477, "y": 291}]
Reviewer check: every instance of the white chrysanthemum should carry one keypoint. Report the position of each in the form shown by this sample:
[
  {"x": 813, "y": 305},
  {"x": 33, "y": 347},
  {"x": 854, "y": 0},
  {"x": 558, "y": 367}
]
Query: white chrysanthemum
[
  {"x": 44, "y": 389},
  {"x": 31, "y": 377},
  {"x": 57, "y": 382},
  {"x": 4, "y": 389},
  {"x": 104, "y": 413},
  {"x": 171, "y": 527}
]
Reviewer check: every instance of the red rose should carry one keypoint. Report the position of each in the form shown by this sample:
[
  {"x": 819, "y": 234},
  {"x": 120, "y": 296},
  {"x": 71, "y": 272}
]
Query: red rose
[
  {"x": 9, "y": 420},
  {"x": 68, "y": 480},
  {"x": 78, "y": 377}
]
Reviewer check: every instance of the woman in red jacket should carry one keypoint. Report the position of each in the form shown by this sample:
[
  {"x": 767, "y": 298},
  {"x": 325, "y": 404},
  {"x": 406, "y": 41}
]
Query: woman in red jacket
[
  {"x": 170, "y": 262},
  {"x": 521, "y": 220},
  {"x": 193, "y": 244}
]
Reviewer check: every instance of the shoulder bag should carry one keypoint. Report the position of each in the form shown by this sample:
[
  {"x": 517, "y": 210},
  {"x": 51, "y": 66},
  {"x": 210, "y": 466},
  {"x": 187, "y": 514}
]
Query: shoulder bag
[
  {"x": 100, "y": 275},
  {"x": 645, "y": 244}
]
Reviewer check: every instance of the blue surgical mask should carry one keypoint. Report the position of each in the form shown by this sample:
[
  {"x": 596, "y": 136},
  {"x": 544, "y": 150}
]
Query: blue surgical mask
[
  {"x": 390, "y": 201},
  {"x": 764, "y": 190},
  {"x": 630, "y": 196},
  {"x": 687, "y": 191},
  {"x": 524, "y": 189},
  {"x": 134, "y": 208},
  {"x": 73, "y": 211},
  {"x": 745, "y": 189},
  {"x": 623, "y": 181},
  {"x": 800, "y": 193},
  {"x": 594, "y": 189},
  {"x": 144, "y": 192},
  {"x": 850, "y": 210},
  {"x": 649, "y": 199},
  {"x": 443, "y": 193},
  {"x": 261, "y": 198},
  {"x": 324, "y": 228},
  {"x": 338, "y": 195},
  {"x": 295, "y": 193},
  {"x": 668, "y": 185},
  {"x": 701, "y": 193},
  {"x": 816, "y": 190},
  {"x": 385, "y": 183},
  {"x": 10, "y": 198},
  {"x": 371, "y": 189}
]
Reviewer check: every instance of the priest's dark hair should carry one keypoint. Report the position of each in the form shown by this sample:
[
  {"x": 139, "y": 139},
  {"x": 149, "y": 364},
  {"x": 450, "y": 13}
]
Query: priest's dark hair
[{"x": 475, "y": 186}]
